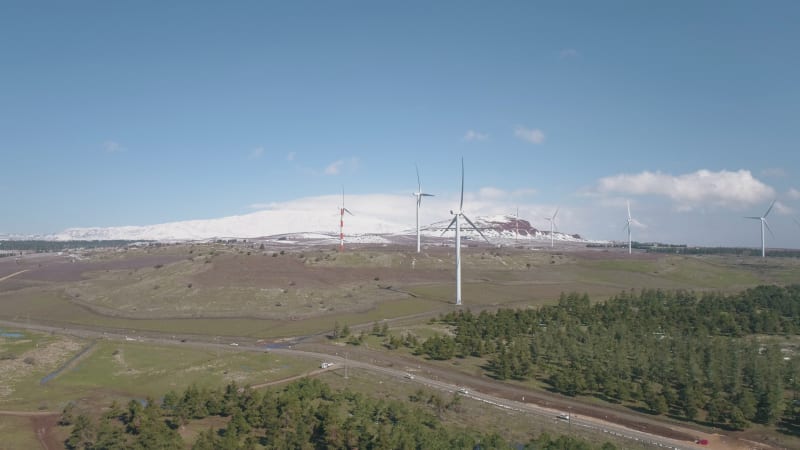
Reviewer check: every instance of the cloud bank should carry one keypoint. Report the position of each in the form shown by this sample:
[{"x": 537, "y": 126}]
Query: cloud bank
[{"x": 724, "y": 188}]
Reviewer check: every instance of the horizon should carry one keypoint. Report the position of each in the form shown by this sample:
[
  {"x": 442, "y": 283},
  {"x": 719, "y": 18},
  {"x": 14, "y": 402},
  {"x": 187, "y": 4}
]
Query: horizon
[{"x": 146, "y": 114}]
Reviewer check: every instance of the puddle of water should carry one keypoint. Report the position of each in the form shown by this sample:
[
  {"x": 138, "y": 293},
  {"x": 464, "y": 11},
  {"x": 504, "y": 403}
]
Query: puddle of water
[{"x": 8, "y": 334}]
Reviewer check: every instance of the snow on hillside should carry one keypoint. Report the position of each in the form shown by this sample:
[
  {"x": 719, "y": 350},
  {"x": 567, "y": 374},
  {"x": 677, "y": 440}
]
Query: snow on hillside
[
  {"x": 257, "y": 224},
  {"x": 309, "y": 226},
  {"x": 500, "y": 227}
]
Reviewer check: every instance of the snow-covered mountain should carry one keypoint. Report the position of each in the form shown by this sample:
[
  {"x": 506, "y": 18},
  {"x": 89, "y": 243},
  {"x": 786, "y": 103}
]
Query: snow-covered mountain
[
  {"x": 253, "y": 225},
  {"x": 501, "y": 227},
  {"x": 304, "y": 224}
]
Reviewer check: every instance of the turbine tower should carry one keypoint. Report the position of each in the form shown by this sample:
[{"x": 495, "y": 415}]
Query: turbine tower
[
  {"x": 342, "y": 210},
  {"x": 553, "y": 226},
  {"x": 764, "y": 223},
  {"x": 628, "y": 227},
  {"x": 419, "y": 194},
  {"x": 457, "y": 222}
]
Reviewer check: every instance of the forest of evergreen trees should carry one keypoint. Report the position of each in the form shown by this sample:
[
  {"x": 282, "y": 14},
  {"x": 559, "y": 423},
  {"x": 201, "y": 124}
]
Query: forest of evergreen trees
[
  {"x": 707, "y": 357},
  {"x": 305, "y": 414}
]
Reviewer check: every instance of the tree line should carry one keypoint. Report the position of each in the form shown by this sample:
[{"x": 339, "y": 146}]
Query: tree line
[
  {"x": 41, "y": 246},
  {"x": 306, "y": 414},
  {"x": 709, "y": 357}
]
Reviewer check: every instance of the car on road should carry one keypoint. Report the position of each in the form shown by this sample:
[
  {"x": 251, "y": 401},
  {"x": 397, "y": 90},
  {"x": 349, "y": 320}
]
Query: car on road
[
  {"x": 409, "y": 376},
  {"x": 463, "y": 391},
  {"x": 234, "y": 344}
]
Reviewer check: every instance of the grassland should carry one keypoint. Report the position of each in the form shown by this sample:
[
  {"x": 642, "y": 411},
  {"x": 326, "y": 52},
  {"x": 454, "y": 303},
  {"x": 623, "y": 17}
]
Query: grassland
[
  {"x": 122, "y": 369},
  {"x": 228, "y": 291}
]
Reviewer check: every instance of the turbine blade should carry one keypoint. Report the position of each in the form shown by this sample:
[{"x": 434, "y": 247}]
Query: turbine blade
[
  {"x": 769, "y": 229},
  {"x": 797, "y": 222},
  {"x": 476, "y": 228},
  {"x": 461, "y": 205},
  {"x": 752, "y": 217},
  {"x": 426, "y": 195},
  {"x": 448, "y": 227},
  {"x": 348, "y": 211},
  {"x": 770, "y": 208},
  {"x": 419, "y": 185},
  {"x": 556, "y": 213},
  {"x": 629, "y": 209}
]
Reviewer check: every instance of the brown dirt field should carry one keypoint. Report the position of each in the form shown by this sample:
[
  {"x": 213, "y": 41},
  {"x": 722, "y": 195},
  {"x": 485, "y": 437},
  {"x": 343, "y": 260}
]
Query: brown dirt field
[
  {"x": 44, "y": 424},
  {"x": 267, "y": 271},
  {"x": 60, "y": 269},
  {"x": 46, "y": 428}
]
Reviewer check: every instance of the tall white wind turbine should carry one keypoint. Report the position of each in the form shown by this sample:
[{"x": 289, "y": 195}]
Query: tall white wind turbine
[
  {"x": 419, "y": 194},
  {"x": 457, "y": 222},
  {"x": 342, "y": 210},
  {"x": 628, "y": 224},
  {"x": 553, "y": 227},
  {"x": 764, "y": 223}
]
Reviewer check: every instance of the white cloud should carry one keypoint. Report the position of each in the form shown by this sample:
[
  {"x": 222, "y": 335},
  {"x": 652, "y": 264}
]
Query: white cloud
[
  {"x": 290, "y": 156},
  {"x": 780, "y": 208},
  {"x": 492, "y": 193},
  {"x": 113, "y": 147},
  {"x": 473, "y": 135},
  {"x": 534, "y": 136},
  {"x": 793, "y": 194},
  {"x": 336, "y": 167},
  {"x": 256, "y": 153},
  {"x": 688, "y": 191},
  {"x": 568, "y": 53}
]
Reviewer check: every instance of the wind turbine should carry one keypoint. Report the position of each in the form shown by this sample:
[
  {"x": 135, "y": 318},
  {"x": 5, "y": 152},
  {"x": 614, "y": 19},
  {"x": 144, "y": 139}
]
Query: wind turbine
[
  {"x": 553, "y": 226},
  {"x": 342, "y": 210},
  {"x": 628, "y": 224},
  {"x": 419, "y": 194},
  {"x": 457, "y": 222},
  {"x": 764, "y": 223}
]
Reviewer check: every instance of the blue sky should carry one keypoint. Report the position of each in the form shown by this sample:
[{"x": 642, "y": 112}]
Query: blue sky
[{"x": 137, "y": 113}]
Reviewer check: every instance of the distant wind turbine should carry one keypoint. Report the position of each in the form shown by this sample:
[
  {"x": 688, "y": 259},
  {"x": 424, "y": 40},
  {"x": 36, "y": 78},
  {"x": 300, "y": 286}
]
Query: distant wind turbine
[
  {"x": 553, "y": 226},
  {"x": 457, "y": 222},
  {"x": 629, "y": 222},
  {"x": 764, "y": 223},
  {"x": 419, "y": 194},
  {"x": 342, "y": 210}
]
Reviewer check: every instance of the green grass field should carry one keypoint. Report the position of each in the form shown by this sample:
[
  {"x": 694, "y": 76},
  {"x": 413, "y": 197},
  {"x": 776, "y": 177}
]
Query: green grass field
[{"x": 127, "y": 370}]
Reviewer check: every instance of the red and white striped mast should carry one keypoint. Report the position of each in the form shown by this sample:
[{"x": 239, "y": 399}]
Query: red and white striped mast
[{"x": 342, "y": 210}]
